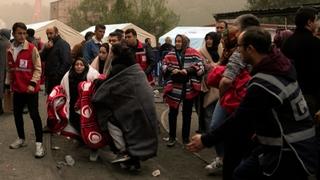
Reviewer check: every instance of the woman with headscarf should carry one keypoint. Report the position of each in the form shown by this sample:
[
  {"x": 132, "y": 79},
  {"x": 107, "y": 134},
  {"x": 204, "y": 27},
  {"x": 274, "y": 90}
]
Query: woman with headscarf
[
  {"x": 102, "y": 59},
  {"x": 183, "y": 69},
  {"x": 209, "y": 95},
  {"x": 79, "y": 71}
]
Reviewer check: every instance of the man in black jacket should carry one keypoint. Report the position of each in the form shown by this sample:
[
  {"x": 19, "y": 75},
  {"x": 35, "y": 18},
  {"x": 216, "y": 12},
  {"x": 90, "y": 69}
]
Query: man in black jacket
[
  {"x": 57, "y": 58},
  {"x": 274, "y": 112},
  {"x": 303, "y": 48}
]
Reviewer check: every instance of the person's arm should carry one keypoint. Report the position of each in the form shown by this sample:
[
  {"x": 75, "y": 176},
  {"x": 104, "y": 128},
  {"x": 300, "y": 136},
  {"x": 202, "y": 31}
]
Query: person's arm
[
  {"x": 257, "y": 102},
  {"x": 65, "y": 58},
  {"x": 36, "y": 70},
  {"x": 233, "y": 69},
  {"x": 151, "y": 60}
]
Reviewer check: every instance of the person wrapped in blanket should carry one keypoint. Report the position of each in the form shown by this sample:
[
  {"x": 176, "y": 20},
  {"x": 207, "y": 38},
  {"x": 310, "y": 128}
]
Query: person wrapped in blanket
[
  {"x": 79, "y": 71},
  {"x": 125, "y": 107}
]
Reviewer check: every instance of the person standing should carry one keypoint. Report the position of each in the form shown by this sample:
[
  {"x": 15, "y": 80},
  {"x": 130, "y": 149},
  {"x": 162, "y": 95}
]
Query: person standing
[
  {"x": 25, "y": 70},
  {"x": 183, "y": 68},
  {"x": 144, "y": 55},
  {"x": 4, "y": 45},
  {"x": 91, "y": 47},
  {"x": 57, "y": 57},
  {"x": 273, "y": 112},
  {"x": 78, "y": 48}
]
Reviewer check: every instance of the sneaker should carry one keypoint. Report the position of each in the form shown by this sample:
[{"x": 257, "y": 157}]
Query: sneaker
[
  {"x": 40, "y": 152},
  {"x": 93, "y": 155},
  {"x": 215, "y": 166},
  {"x": 18, "y": 143},
  {"x": 121, "y": 157},
  {"x": 171, "y": 142}
]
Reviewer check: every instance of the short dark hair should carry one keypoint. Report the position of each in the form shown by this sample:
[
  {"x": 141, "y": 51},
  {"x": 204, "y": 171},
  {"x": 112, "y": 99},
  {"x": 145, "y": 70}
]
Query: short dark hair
[
  {"x": 17, "y": 25},
  {"x": 119, "y": 31},
  {"x": 259, "y": 38},
  {"x": 88, "y": 35},
  {"x": 303, "y": 15},
  {"x": 30, "y": 32},
  {"x": 131, "y": 30},
  {"x": 99, "y": 26},
  {"x": 224, "y": 22},
  {"x": 146, "y": 40},
  {"x": 117, "y": 34},
  {"x": 247, "y": 20}
]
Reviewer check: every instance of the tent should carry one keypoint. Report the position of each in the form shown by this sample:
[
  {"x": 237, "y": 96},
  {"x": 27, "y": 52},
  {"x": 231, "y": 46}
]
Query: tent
[
  {"x": 72, "y": 36},
  {"x": 195, "y": 34},
  {"x": 142, "y": 34}
]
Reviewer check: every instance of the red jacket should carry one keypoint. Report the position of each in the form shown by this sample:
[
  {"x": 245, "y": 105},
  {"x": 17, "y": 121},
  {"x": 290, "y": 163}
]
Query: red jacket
[
  {"x": 145, "y": 61},
  {"x": 26, "y": 70},
  {"x": 231, "y": 99}
]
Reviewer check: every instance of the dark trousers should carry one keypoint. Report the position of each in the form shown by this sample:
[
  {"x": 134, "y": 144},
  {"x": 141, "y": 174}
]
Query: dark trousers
[
  {"x": 31, "y": 100},
  {"x": 186, "y": 120},
  {"x": 289, "y": 168},
  {"x": 50, "y": 83}
]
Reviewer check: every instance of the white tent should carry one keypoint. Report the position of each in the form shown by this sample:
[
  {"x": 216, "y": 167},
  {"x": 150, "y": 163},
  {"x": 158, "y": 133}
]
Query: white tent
[
  {"x": 142, "y": 34},
  {"x": 66, "y": 32},
  {"x": 195, "y": 34}
]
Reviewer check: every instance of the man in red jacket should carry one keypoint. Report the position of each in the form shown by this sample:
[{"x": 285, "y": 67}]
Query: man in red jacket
[{"x": 25, "y": 71}]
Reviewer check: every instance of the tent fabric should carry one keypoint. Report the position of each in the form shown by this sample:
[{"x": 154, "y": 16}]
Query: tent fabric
[
  {"x": 67, "y": 33},
  {"x": 142, "y": 34},
  {"x": 195, "y": 34}
]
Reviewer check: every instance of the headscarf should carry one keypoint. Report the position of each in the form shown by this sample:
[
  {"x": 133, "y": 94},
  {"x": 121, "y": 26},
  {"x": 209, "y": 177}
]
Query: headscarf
[
  {"x": 185, "y": 43},
  {"x": 73, "y": 75}
]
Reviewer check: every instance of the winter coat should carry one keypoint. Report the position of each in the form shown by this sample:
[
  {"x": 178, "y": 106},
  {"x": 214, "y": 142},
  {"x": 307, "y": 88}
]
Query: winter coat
[
  {"x": 126, "y": 100},
  {"x": 4, "y": 45},
  {"x": 57, "y": 59},
  {"x": 175, "y": 91}
]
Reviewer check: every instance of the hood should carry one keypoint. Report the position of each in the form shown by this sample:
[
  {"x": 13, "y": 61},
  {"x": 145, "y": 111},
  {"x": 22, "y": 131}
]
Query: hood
[
  {"x": 276, "y": 64},
  {"x": 5, "y": 33}
]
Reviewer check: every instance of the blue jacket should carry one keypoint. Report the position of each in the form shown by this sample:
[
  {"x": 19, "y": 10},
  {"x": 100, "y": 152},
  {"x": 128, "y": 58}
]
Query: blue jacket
[{"x": 90, "y": 50}]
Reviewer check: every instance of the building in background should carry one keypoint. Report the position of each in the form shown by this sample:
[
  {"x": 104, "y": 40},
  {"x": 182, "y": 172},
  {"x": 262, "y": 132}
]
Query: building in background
[{"x": 60, "y": 9}]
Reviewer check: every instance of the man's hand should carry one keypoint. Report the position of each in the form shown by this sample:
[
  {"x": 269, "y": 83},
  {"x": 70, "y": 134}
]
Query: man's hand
[
  {"x": 196, "y": 144},
  {"x": 49, "y": 45},
  {"x": 30, "y": 89},
  {"x": 175, "y": 71},
  {"x": 184, "y": 72}
]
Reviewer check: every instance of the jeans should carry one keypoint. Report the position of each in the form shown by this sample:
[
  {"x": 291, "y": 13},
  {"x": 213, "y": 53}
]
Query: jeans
[
  {"x": 31, "y": 100},
  {"x": 218, "y": 118}
]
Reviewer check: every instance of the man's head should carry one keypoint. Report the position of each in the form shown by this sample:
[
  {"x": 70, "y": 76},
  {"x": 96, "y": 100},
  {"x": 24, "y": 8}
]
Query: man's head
[
  {"x": 306, "y": 18},
  {"x": 168, "y": 40},
  {"x": 99, "y": 31},
  {"x": 114, "y": 37},
  {"x": 30, "y": 32},
  {"x": 147, "y": 41},
  {"x": 221, "y": 26},
  {"x": 19, "y": 32},
  {"x": 131, "y": 37},
  {"x": 253, "y": 44},
  {"x": 52, "y": 32},
  {"x": 88, "y": 35},
  {"x": 246, "y": 20}
]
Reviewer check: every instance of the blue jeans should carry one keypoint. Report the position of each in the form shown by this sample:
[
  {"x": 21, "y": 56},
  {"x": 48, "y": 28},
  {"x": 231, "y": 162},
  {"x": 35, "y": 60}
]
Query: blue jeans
[{"x": 218, "y": 118}]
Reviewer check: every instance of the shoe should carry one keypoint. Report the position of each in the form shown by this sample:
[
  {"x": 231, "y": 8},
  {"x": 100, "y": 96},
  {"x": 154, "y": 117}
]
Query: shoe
[
  {"x": 121, "y": 157},
  {"x": 171, "y": 142},
  {"x": 40, "y": 152},
  {"x": 93, "y": 155},
  {"x": 18, "y": 143},
  {"x": 215, "y": 166}
]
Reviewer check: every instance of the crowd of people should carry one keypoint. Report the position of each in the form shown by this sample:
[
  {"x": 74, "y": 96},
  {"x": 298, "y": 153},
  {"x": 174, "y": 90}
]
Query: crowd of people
[{"x": 254, "y": 97}]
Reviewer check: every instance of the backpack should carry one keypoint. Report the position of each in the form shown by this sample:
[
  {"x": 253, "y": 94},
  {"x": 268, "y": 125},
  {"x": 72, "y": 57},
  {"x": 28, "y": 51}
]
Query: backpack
[{"x": 91, "y": 133}]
